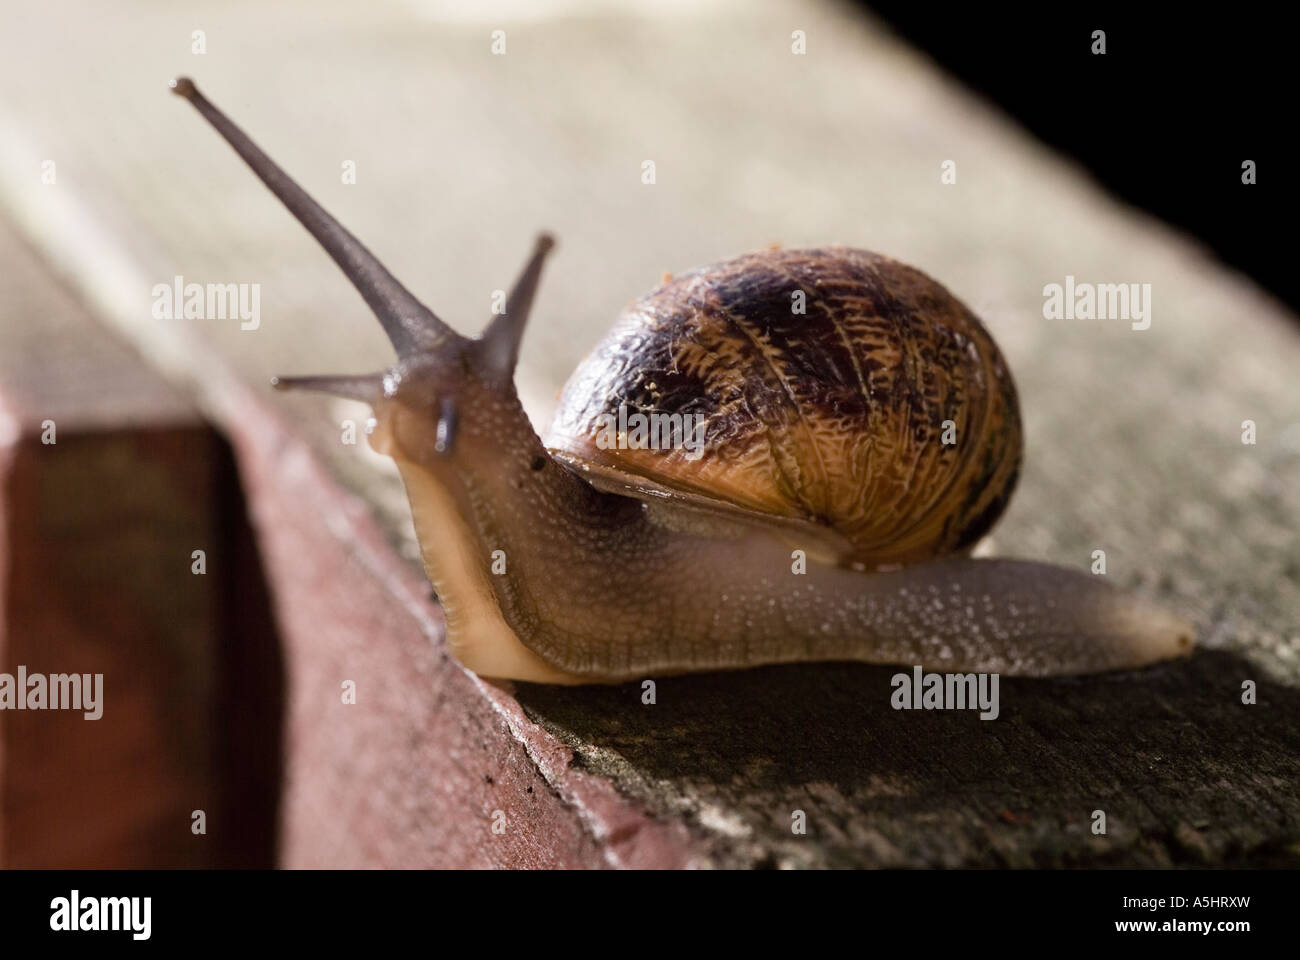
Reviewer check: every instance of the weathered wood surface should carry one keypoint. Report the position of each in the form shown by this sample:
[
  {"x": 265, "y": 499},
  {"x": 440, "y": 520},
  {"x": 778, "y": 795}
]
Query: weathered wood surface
[
  {"x": 109, "y": 479},
  {"x": 1134, "y": 437}
]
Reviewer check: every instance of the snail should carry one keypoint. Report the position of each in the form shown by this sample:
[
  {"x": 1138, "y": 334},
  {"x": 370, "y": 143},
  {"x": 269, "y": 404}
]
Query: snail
[{"x": 853, "y": 454}]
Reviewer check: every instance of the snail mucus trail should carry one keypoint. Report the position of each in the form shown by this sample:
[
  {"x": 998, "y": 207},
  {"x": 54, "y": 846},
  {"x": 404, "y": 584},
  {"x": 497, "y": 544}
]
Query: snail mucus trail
[{"x": 823, "y": 438}]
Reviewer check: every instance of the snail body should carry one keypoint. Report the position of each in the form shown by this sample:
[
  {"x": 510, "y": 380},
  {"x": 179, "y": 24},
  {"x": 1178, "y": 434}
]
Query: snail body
[{"x": 859, "y": 433}]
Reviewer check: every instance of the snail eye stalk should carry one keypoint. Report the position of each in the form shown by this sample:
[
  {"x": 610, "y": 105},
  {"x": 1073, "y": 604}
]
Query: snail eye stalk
[
  {"x": 411, "y": 327},
  {"x": 498, "y": 347}
]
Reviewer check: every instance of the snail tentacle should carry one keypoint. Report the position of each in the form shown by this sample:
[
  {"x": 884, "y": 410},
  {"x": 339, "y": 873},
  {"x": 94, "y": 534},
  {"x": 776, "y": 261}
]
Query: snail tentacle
[
  {"x": 366, "y": 388},
  {"x": 498, "y": 347},
  {"x": 410, "y": 325}
]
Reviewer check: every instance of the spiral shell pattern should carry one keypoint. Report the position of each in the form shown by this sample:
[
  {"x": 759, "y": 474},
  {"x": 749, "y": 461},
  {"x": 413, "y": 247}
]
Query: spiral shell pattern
[{"x": 835, "y": 386}]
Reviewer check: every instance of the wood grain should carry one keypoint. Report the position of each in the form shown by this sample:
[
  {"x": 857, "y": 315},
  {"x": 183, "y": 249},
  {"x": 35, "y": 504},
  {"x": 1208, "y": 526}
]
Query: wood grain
[{"x": 1133, "y": 437}]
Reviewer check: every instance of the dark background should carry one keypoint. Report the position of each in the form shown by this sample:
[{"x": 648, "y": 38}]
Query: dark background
[{"x": 1164, "y": 119}]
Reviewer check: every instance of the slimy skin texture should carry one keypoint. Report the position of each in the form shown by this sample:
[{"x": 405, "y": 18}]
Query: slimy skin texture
[
  {"x": 827, "y": 439},
  {"x": 599, "y": 592}
]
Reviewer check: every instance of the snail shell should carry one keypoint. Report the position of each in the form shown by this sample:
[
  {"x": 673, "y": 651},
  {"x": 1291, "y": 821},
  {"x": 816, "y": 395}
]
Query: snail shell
[{"x": 846, "y": 397}]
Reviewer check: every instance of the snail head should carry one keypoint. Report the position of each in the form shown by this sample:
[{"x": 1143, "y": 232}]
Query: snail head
[{"x": 440, "y": 378}]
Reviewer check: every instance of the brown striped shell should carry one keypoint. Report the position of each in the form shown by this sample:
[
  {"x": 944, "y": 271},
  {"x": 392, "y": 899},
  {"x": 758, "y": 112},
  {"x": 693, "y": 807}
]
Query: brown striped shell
[{"x": 826, "y": 424}]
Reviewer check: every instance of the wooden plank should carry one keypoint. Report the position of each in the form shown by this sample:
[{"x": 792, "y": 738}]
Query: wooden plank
[
  {"x": 1134, "y": 437},
  {"x": 106, "y": 486}
]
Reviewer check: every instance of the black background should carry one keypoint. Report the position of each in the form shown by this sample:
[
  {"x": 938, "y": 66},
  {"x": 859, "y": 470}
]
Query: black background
[
  {"x": 316, "y": 913},
  {"x": 1163, "y": 120}
]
